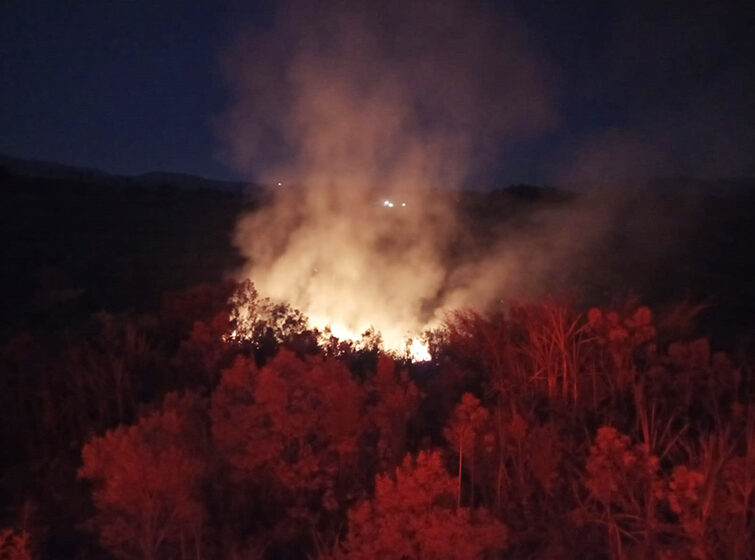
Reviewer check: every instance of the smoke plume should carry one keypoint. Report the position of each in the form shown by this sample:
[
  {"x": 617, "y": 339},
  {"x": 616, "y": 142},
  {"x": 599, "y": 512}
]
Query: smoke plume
[{"x": 369, "y": 115}]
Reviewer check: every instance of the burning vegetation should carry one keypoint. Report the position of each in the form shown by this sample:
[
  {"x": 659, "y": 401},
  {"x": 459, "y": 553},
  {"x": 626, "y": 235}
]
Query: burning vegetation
[{"x": 368, "y": 135}]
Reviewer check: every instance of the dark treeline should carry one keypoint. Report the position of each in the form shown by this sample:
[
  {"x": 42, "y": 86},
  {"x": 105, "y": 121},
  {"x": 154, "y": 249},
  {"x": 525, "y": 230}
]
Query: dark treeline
[{"x": 73, "y": 247}]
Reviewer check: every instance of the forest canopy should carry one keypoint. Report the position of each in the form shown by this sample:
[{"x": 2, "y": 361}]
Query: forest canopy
[{"x": 538, "y": 430}]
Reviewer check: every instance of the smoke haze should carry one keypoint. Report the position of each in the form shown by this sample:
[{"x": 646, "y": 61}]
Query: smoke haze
[
  {"x": 354, "y": 107},
  {"x": 372, "y": 116}
]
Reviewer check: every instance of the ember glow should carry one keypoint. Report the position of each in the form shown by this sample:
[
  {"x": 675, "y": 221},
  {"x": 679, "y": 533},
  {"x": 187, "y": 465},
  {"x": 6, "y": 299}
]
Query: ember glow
[
  {"x": 348, "y": 291},
  {"x": 409, "y": 345},
  {"x": 419, "y": 351}
]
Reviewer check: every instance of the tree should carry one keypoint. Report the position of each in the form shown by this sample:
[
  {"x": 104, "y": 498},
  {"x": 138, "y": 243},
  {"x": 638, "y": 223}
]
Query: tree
[
  {"x": 294, "y": 423},
  {"x": 413, "y": 516},
  {"x": 392, "y": 399},
  {"x": 261, "y": 322},
  {"x": 624, "y": 481},
  {"x": 147, "y": 480},
  {"x": 464, "y": 431},
  {"x": 714, "y": 497},
  {"x": 203, "y": 354},
  {"x": 105, "y": 372}
]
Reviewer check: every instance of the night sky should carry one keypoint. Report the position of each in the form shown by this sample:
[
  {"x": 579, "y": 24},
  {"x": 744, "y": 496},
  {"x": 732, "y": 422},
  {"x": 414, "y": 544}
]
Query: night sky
[{"x": 640, "y": 89}]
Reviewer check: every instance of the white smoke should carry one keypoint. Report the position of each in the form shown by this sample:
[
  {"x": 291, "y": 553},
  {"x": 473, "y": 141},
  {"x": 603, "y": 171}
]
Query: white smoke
[{"x": 360, "y": 103}]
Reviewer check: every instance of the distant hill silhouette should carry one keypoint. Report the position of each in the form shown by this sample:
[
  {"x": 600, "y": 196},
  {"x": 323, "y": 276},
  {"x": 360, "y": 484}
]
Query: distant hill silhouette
[{"x": 39, "y": 169}]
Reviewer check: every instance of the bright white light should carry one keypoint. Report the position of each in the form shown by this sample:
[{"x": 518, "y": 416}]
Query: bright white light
[
  {"x": 387, "y": 203},
  {"x": 419, "y": 351},
  {"x": 280, "y": 184},
  {"x": 403, "y": 204}
]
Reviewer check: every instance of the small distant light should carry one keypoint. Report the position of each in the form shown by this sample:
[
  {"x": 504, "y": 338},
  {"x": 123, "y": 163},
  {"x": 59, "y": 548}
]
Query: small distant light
[
  {"x": 387, "y": 203},
  {"x": 280, "y": 184},
  {"x": 403, "y": 204}
]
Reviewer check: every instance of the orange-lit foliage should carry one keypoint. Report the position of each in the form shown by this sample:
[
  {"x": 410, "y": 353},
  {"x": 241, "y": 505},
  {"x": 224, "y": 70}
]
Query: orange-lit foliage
[
  {"x": 622, "y": 336},
  {"x": 544, "y": 451},
  {"x": 413, "y": 516},
  {"x": 488, "y": 342},
  {"x": 624, "y": 481},
  {"x": 296, "y": 452},
  {"x": 392, "y": 398},
  {"x": 262, "y": 322},
  {"x": 714, "y": 499},
  {"x": 295, "y": 422},
  {"x": 465, "y": 434},
  {"x": 204, "y": 353},
  {"x": 686, "y": 497},
  {"x": 247, "y": 322},
  {"x": 554, "y": 345},
  {"x": 552, "y": 348},
  {"x": 738, "y": 496},
  {"x": 615, "y": 467},
  {"x": 619, "y": 340},
  {"x": 698, "y": 374},
  {"x": 146, "y": 480}
]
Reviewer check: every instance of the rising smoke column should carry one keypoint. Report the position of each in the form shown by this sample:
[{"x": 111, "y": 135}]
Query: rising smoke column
[{"x": 356, "y": 103}]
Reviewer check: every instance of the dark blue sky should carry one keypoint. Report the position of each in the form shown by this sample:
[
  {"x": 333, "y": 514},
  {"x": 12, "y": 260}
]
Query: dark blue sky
[
  {"x": 125, "y": 86},
  {"x": 133, "y": 86}
]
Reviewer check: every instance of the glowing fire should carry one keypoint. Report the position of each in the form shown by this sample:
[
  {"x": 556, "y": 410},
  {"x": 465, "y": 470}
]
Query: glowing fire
[
  {"x": 419, "y": 351},
  {"x": 349, "y": 266},
  {"x": 407, "y": 345},
  {"x": 246, "y": 317}
]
